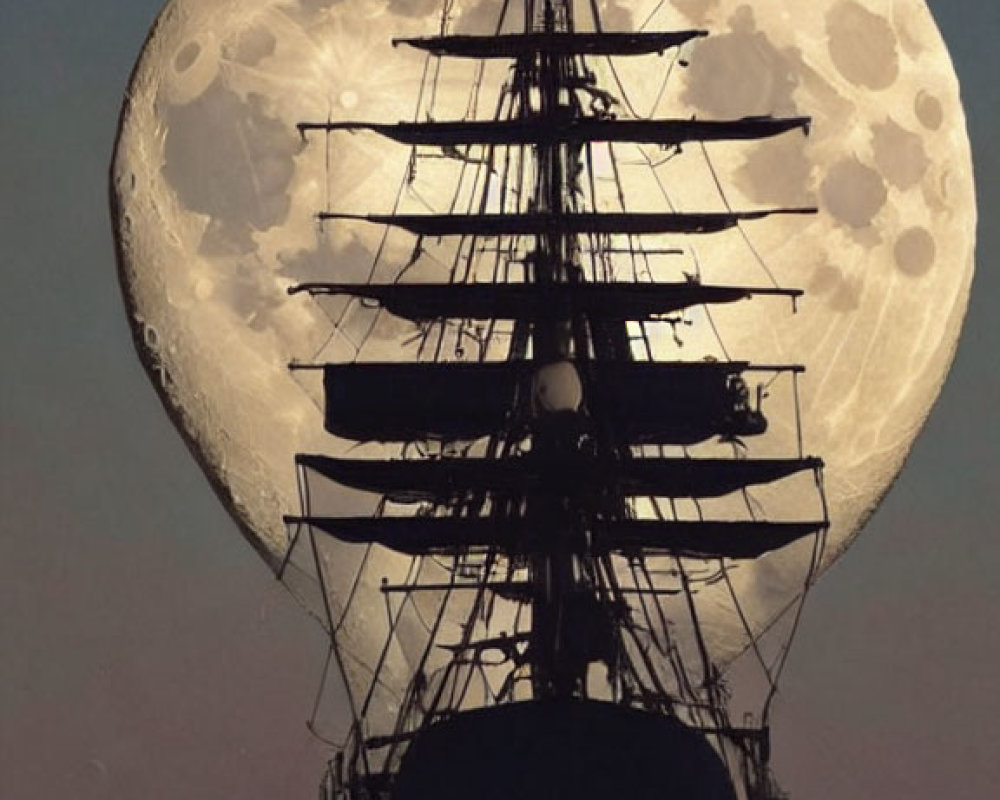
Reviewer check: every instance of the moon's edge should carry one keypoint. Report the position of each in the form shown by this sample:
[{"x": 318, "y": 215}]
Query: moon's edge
[{"x": 146, "y": 357}]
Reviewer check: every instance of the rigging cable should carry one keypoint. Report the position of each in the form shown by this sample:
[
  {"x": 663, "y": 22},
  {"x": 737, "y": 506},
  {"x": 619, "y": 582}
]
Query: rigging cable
[
  {"x": 746, "y": 237},
  {"x": 819, "y": 549},
  {"x": 320, "y": 692},
  {"x": 653, "y": 13},
  {"x": 380, "y": 663},
  {"x": 343, "y": 314},
  {"x": 596, "y": 14}
]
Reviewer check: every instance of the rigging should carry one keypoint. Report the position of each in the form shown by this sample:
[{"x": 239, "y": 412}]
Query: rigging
[{"x": 554, "y": 518}]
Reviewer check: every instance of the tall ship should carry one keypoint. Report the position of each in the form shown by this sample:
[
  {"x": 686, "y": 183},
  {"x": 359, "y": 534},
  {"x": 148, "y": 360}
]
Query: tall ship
[{"x": 555, "y": 486}]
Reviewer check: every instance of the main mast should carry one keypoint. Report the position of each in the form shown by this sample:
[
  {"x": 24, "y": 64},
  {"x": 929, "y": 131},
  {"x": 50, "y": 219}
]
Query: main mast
[{"x": 561, "y": 600}]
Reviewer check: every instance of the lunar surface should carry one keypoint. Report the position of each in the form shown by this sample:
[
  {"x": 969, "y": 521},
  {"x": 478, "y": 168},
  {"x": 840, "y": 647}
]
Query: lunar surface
[{"x": 216, "y": 196}]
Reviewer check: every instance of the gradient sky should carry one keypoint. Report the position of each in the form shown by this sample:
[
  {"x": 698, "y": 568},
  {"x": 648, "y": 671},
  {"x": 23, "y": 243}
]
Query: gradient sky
[{"x": 145, "y": 652}]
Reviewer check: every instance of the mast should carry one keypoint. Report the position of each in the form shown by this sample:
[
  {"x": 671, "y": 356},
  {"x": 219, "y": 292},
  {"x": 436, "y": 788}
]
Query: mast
[
  {"x": 571, "y": 415},
  {"x": 555, "y": 575}
]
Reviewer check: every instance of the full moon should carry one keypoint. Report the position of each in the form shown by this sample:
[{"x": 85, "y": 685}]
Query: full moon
[{"x": 216, "y": 196}]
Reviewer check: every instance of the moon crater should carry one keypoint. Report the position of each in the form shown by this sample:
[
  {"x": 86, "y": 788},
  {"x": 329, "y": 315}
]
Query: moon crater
[
  {"x": 853, "y": 193},
  {"x": 862, "y": 45},
  {"x": 230, "y": 160},
  {"x": 915, "y": 251},
  {"x": 777, "y": 172},
  {"x": 928, "y": 110},
  {"x": 899, "y": 155},
  {"x": 741, "y": 73},
  {"x": 841, "y": 294},
  {"x": 186, "y": 56},
  {"x": 193, "y": 68}
]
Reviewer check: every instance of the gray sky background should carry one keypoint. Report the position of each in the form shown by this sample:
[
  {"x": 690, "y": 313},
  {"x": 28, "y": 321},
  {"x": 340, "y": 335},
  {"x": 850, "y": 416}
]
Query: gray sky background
[{"x": 146, "y": 653}]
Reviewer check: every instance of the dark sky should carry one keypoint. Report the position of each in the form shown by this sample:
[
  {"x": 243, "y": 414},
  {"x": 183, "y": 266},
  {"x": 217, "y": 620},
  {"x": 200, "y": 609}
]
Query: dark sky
[{"x": 146, "y": 653}]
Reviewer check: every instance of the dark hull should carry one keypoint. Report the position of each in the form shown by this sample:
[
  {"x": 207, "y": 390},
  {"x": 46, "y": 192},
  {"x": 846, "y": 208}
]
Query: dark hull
[{"x": 561, "y": 750}]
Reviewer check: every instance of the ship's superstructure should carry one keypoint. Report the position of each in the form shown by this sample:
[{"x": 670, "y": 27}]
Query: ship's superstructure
[{"x": 542, "y": 452}]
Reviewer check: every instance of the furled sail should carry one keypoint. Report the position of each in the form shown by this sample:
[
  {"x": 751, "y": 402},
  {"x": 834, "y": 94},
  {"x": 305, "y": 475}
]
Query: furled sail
[
  {"x": 541, "y": 223},
  {"x": 439, "y": 480},
  {"x": 663, "y": 403},
  {"x": 526, "y": 45},
  {"x": 664, "y": 132},
  {"x": 453, "y": 535},
  {"x": 532, "y": 301}
]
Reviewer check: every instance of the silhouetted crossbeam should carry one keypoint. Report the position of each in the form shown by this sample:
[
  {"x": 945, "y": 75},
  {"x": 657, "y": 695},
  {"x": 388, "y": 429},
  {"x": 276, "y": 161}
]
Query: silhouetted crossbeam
[
  {"x": 446, "y": 479},
  {"x": 532, "y": 301},
  {"x": 643, "y": 402},
  {"x": 537, "y": 132},
  {"x": 450, "y": 535},
  {"x": 523, "y": 45},
  {"x": 538, "y": 224},
  {"x": 517, "y": 591},
  {"x": 504, "y": 642}
]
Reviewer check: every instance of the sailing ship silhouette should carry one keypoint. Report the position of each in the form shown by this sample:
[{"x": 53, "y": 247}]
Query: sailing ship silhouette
[{"x": 545, "y": 455}]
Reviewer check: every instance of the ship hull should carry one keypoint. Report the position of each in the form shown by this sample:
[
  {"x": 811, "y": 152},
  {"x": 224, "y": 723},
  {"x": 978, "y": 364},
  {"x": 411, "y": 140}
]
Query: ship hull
[{"x": 561, "y": 749}]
